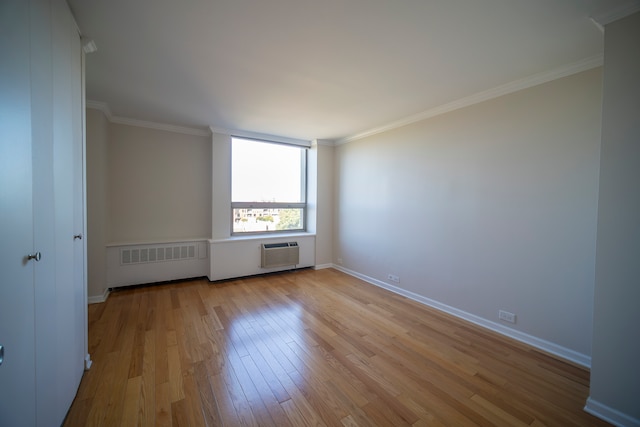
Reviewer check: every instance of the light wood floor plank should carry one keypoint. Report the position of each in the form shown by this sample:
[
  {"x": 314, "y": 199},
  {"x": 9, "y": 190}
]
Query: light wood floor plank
[
  {"x": 147, "y": 398},
  {"x": 310, "y": 348},
  {"x": 131, "y": 398},
  {"x": 163, "y": 415}
]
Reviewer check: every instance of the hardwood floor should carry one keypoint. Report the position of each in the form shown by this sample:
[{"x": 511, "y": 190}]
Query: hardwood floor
[{"x": 310, "y": 348}]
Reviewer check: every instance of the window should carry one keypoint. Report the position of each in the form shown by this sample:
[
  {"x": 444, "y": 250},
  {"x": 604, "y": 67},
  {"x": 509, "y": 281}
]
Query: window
[{"x": 268, "y": 186}]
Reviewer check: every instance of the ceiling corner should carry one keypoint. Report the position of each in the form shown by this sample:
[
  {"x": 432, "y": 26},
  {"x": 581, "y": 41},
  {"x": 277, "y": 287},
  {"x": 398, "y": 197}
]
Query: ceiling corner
[{"x": 607, "y": 16}]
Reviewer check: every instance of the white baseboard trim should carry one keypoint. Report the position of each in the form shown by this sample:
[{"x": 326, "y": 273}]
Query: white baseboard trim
[
  {"x": 322, "y": 266},
  {"x": 610, "y": 415},
  {"x": 96, "y": 299},
  {"x": 87, "y": 362},
  {"x": 544, "y": 345}
]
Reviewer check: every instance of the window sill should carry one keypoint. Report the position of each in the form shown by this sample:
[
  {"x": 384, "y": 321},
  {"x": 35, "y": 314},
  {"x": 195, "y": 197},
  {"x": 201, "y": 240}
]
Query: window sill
[
  {"x": 155, "y": 242},
  {"x": 265, "y": 236}
]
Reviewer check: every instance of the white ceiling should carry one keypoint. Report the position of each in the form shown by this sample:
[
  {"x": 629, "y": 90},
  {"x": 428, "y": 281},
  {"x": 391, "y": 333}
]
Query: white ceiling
[{"x": 324, "y": 69}]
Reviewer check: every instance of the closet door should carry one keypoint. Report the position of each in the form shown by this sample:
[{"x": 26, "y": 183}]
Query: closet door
[
  {"x": 42, "y": 303},
  {"x": 17, "y": 329},
  {"x": 59, "y": 306},
  {"x": 67, "y": 183}
]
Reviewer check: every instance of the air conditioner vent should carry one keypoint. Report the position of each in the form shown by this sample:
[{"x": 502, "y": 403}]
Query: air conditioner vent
[{"x": 279, "y": 254}]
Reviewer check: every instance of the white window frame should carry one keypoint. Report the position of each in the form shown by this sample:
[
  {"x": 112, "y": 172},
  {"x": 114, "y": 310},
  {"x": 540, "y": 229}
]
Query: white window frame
[{"x": 275, "y": 205}]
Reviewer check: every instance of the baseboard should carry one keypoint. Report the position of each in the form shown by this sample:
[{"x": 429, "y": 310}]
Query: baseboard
[
  {"x": 322, "y": 266},
  {"x": 610, "y": 415},
  {"x": 99, "y": 298},
  {"x": 87, "y": 362},
  {"x": 546, "y": 346}
]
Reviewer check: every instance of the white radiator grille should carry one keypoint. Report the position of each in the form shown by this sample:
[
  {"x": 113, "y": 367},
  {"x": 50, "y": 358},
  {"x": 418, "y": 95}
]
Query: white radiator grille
[
  {"x": 280, "y": 254},
  {"x": 160, "y": 253}
]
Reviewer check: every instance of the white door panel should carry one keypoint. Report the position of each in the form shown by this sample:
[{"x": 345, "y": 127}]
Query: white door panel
[
  {"x": 66, "y": 140},
  {"x": 17, "y": 372},
  {"x": 43, "y": 204}
]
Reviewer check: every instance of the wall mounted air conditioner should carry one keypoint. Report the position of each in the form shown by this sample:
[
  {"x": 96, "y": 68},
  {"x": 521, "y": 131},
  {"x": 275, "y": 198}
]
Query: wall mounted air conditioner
[{"x": 280, "y": 254}]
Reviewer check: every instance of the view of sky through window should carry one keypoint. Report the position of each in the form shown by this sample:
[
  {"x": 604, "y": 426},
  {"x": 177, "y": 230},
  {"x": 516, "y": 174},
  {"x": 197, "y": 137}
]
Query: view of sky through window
[{"x": 264, "y": 172}]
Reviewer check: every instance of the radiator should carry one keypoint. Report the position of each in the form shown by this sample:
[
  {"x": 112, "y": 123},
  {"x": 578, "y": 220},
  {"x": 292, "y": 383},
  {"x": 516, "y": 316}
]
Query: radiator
[
  {"x": 136, "y": 264},
  {"x": 279, "y": 254},
  {"x": 156, "y": 253}
]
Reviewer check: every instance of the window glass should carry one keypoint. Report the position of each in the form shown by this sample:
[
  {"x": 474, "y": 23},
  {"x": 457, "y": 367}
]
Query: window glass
[
  {"x": 267, "y": 186},
  {"x": 265, "y": 172}
]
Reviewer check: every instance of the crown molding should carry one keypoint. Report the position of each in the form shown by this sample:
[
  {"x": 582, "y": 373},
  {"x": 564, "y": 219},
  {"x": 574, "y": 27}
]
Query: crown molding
[
  {"x": 104, "y": 107},
  {"x": 605, "y": 17},
  {"x": 515, "y": 86},
  {"x": 597, "y": 24},
  {"x": 325, "y": 142},
  {"x": 161, "y": 126},
  {"x": 100, "y": 106},
  {"x": 261, "y": 136}
]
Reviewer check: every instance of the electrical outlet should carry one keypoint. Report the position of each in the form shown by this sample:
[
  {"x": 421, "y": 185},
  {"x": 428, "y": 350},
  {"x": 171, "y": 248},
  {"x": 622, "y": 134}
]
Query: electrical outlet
[
  {"x": 340, "y": 261},
  {"x": 506, "y": 316},
  {"x": 393, "y": 278}
]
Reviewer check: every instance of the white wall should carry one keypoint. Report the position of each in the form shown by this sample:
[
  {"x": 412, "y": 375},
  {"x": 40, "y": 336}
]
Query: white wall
[
  {"x": 320, "y": 200},
  {"x": 97, "y": 140},
  {"x": 324, "y": 202},
  {"x": 615, "y": 376},
  {"x": 221, "y": 189},
  {"x": 159, "y": 185},
  {"x": 144, "y": 185},
  {"x": 488, "y": 207}
]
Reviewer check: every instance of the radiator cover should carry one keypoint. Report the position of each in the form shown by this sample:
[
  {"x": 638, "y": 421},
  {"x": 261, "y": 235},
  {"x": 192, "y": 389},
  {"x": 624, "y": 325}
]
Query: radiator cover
[
  {"x": 280, "y": 254},
  {"x": 136, "y": 264}
]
